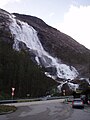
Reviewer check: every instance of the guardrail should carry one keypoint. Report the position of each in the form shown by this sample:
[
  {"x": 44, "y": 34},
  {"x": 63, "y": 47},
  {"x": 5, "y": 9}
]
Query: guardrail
[
  {"x": 8, "y": 101},
  {"x": 35, "y": 99},
  {"x": 19, "y": 100}
]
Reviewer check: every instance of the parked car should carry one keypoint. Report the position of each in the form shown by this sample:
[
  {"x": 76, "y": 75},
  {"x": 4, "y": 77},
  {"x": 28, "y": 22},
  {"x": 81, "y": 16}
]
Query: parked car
[
  {"x": 83, "y": 98},
  {"x": 77, "y": 103}
]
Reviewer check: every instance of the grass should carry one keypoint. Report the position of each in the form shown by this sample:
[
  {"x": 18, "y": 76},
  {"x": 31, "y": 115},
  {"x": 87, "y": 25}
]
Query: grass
[{"x": 7, "y": 108}]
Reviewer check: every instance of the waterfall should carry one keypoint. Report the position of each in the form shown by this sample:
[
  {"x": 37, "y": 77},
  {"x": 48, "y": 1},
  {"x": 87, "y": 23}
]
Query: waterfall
[{"x": 25, "y": 33}]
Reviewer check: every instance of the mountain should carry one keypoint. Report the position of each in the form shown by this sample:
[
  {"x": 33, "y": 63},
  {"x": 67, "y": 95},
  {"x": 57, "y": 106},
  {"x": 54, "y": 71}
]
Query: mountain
[
  {"x": 35, "y": 57},
  {"x": 59, "y": 45}
]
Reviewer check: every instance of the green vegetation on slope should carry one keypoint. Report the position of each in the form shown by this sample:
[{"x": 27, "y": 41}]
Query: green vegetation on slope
[{"x": 19, "y": 71}]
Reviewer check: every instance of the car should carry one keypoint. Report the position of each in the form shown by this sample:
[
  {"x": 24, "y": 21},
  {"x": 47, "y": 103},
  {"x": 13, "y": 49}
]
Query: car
[
  {"x": 83, "y": 98},
  {"x": 77, "y": 103}
]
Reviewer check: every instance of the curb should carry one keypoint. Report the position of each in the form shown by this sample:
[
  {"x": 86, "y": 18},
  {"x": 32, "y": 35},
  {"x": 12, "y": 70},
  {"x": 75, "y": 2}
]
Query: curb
[{"x": 2, "y": 113}]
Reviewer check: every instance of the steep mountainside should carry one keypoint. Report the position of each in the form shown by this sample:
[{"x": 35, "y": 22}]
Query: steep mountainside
[
  {"x": 59, "y": 44},
  {"x": 17, "y": 68},
  {"x": 35, "y": 57}
]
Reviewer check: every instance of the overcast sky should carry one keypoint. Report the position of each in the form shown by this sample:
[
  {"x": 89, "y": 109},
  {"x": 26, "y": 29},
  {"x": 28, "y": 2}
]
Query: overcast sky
[{"x": 69, "y": 16}]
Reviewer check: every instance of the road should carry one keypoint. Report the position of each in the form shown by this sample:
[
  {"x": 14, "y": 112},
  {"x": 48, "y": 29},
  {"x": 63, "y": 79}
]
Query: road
[
  {"x": 47, "y": 110},
  {"x": 80, "y": 114}
]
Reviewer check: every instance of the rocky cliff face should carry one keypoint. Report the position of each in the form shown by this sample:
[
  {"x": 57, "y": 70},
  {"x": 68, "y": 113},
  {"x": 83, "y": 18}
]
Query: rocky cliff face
[
  {"x": 31, "y": 50},
  {"x": 60, "y": 45}
]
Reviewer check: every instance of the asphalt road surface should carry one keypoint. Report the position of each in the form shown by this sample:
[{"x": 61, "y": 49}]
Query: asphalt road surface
[
  {"x": 80, "y": 114},
  {"x": 47, "y": 110}
]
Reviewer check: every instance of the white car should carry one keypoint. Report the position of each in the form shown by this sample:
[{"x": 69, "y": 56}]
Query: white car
[{"x": 77, "y": 103}]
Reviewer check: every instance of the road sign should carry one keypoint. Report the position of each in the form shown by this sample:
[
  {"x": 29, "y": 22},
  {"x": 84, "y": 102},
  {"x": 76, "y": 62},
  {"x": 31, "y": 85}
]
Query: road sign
[
  {"x": 13, "y": 89},
  {"x": 12, "y": 93}
]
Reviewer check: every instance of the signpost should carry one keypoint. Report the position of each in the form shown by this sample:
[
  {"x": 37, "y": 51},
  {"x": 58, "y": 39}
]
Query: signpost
[
  {"x": 13, "y": 89},
  {"x": 64, "y": 92}
]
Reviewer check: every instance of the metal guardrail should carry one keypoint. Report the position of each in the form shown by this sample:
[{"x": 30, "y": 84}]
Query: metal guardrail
[
  {"x": 35, "y": 99},
  {"x": 8, "y": 101},
  {"x": 19, "y": 100}
]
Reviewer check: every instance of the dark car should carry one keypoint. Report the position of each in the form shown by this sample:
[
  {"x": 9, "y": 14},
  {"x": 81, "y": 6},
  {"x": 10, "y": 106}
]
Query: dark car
[
  {"x": 83, "y": 98},
  {"x": 77, "y": 103}
]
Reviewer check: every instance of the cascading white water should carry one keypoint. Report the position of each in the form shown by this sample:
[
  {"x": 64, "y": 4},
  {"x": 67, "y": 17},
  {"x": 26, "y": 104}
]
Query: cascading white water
[{"x": 28, "y": 35}]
